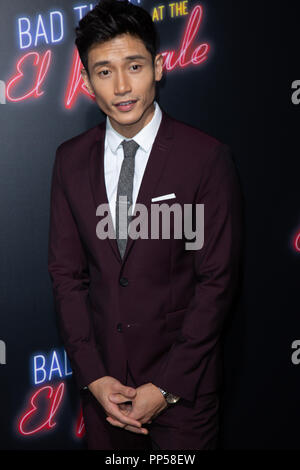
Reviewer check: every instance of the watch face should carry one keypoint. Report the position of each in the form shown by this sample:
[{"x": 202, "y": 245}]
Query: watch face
[{"x": 172, "y": 398}]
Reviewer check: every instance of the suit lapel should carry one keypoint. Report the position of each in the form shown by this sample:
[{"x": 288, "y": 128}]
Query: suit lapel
[
  {"x": 97, "y": 181},
  {"x": 155, "y": 166}
]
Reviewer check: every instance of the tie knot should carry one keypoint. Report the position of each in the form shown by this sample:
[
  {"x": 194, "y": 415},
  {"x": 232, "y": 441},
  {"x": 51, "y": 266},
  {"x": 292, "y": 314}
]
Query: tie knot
[{"x": 130, "y": 148}]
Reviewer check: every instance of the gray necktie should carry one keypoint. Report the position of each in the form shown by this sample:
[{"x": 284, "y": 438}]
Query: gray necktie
[{"x": 124, "y": 194}]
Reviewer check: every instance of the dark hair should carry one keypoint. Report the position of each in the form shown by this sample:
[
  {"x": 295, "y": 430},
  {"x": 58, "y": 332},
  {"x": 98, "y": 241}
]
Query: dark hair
[{"x": 111, "y": 18}]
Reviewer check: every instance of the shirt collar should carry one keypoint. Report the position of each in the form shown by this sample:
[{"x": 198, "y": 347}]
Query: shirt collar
[{"x": 145, "y": 137}]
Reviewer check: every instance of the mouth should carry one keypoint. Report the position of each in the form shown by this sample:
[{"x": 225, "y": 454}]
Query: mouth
[{"x": 125, "y": 105}]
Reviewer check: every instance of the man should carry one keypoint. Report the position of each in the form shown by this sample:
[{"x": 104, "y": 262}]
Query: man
[{"x": 141, "y": 318}]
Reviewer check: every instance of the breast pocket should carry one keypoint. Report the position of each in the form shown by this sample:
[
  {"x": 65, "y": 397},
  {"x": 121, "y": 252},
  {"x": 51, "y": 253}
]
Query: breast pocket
[
  {"x": 174, "y": 320},
  {"x": 167, "y": 219}
]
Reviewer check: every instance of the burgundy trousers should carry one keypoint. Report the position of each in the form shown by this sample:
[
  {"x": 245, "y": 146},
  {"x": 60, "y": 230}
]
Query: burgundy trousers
[{"x": 181, "y": 426}]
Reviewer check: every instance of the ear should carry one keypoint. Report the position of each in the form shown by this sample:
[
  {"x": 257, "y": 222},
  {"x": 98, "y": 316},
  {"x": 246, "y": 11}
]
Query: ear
[
  {"x": 86, "y": 79},
  {"x": 158, "y": 67}
]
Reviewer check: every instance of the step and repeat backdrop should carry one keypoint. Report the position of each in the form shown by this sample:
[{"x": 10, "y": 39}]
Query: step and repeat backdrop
[{"x": 231, "y": 69}]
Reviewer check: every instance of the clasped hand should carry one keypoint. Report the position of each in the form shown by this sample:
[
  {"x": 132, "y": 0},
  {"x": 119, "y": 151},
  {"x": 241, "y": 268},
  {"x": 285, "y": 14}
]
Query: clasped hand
[
  {"x": 145, "y": 406},
  {"x": 146, "y": 403}
]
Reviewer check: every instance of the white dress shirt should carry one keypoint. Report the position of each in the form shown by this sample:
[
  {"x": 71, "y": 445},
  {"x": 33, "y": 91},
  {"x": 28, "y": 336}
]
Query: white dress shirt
[{"x": 114, "y": 155}]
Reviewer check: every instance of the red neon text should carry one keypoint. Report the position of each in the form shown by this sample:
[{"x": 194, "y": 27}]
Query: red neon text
[
  {"x": 80, "y": 428},
  {"x": 54, "y": 398},
  {"x": 41, "y": 417},
  {"x": 200, "y": 53},
  {"x": 76, "y": 83},
  {"x": 42, "y": 62},
  {"x": 297, "y": 242}
]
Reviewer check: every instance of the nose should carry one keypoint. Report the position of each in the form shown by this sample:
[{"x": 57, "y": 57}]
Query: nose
[{"x": 122, "y": 84}]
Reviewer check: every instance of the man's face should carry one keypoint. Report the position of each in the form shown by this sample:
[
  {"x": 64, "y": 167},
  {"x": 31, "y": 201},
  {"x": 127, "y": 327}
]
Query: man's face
[{"x": 121, "y": 70}]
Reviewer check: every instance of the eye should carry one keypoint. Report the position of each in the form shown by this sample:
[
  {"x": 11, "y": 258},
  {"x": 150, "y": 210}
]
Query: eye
[
  {"x": 137, "y": 66},
  {"x": 104, "y": 73}
]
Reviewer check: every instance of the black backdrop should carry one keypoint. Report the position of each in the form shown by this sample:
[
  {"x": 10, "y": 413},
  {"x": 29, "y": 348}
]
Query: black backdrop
[{"x": 244, "y": 94}]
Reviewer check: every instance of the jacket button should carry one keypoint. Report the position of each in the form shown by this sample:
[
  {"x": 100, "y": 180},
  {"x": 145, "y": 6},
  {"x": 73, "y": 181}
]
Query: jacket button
[
  {"x": 119, "y": 327},
  {"x": 124, "y": 281}
]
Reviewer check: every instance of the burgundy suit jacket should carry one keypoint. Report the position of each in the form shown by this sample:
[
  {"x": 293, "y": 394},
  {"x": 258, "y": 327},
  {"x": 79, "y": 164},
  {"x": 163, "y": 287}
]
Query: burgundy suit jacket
[{"x": 162, "y": 307}]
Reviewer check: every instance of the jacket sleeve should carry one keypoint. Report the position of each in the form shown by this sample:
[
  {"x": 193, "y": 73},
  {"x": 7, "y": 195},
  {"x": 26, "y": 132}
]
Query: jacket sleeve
[
  {"x": 216, "y": 268},
  {"x": 68, "y": 269}
]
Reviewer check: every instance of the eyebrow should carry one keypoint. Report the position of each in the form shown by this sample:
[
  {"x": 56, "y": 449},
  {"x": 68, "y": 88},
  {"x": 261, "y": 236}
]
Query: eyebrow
[{"x": 128, "y": 58}]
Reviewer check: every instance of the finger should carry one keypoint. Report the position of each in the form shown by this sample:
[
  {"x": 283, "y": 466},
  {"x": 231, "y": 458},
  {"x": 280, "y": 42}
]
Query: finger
[
  {"x": 137, "y": 431},
  {"x": 115, "y": 422},
  {"x": 124, "y": 419},
  {"x": 124, "y": 390},
  {"x": 117, "y": 398},
  {"x": 127, "y": 427}
]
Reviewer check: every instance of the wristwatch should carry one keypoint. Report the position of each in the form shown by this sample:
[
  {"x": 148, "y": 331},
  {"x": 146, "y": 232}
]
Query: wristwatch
[{"x": 169, "y": 397}]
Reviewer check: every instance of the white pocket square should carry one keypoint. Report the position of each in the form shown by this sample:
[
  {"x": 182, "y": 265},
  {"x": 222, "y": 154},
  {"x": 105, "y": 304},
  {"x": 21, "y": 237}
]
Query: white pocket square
[{"x": 164, "y": 197}]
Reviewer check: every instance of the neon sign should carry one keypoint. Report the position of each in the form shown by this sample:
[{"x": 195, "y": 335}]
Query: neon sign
[
  {"x": 80, "y": 428},
  {"x": 296, "y": 243},
  {"x": 81, "y": 10},
  {"x": 45, "y": 367},
  {"x": 200, "y": 53},
  {"x": 42, "y": 64},
  {"x": 30, "y": 35},
  {"x": 53, "y": 398},
  {"x": 42, "y": 411},
  {"x": 75, "y": 85},
  {"x": 45, "y": 29}
]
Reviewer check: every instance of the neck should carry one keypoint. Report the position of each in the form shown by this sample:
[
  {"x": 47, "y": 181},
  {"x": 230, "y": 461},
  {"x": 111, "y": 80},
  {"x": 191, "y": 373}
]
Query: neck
[{"x": 130, "y": 130}]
